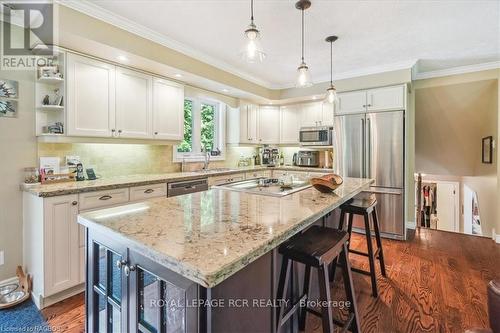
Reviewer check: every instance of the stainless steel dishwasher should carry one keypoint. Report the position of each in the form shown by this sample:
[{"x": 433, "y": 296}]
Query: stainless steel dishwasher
[{"x": 186, "y": 187}]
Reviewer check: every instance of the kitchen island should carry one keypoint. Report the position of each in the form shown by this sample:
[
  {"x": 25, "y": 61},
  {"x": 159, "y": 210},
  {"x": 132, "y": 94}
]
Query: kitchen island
[{"x": 205, "y": 261}]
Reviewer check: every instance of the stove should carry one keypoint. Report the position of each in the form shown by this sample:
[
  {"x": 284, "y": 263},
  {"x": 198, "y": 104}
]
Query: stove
[{"x": 266, "y": 186}]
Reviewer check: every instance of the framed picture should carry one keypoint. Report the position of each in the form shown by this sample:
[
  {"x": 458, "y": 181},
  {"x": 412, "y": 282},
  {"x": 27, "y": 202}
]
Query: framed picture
[
  {"x": 9, "y": 89},
  {"x": 487, "y": 150},
  {"x": 8, "y": 108}
]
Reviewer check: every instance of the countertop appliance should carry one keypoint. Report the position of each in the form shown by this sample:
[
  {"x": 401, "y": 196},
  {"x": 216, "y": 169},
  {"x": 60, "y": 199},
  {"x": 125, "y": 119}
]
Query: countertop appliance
[
  {"x": 265, "y": 186},
  {"x": 308, "y": 158},
  {"x": 269, "y": 156},
  {"x": 316, "y": 136},
  {"x": 371, "y": 145},
  {"x": 186, "y": 187}
]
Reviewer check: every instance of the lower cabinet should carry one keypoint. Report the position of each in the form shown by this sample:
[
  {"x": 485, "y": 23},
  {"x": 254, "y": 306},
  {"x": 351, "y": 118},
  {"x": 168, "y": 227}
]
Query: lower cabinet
[
  {"x": 127, "y": 292},
  {"x": 219, "y": 180}
]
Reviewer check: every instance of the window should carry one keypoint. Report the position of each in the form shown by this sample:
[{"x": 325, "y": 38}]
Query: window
[{"x": 203, "y": 121}]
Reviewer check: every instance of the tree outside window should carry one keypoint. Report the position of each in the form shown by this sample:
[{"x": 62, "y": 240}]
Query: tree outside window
[{"x": 187, "y": 143}]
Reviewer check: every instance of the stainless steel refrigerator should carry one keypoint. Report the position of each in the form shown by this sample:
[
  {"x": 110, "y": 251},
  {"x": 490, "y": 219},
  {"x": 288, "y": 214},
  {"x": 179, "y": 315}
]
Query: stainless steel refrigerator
[{"x": 371, "y": 145}]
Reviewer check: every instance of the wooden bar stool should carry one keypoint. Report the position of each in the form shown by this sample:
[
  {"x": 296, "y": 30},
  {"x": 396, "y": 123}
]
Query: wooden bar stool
[
  {"x": 316, "y": 247},
  {"x": 364, "y": 208}
]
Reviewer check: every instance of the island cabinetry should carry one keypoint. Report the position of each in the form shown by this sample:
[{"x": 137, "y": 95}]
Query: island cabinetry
[{"x": 127, "y": 292}]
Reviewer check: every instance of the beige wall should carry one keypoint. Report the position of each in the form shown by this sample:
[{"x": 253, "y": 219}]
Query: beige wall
[
  {"x": 452, "y": 115},
  {"x": 18, "y": 150}
]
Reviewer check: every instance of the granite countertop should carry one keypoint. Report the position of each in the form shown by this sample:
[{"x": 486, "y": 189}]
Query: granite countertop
[
  {"x": 50, "y": 190},
  {"x": 208, "y": 236}
]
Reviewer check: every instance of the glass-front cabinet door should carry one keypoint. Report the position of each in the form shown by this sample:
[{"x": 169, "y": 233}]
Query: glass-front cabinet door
[
  {"x": 107, "y": 300},
  {"x": 161, "y": 301}
]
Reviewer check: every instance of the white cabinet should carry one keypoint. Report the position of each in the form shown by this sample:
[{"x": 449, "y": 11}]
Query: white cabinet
[
  {"x": 386, "y": 99},
  {"x": 258, "y": 174},
  {"x": 133, "y": 104},
  {"x": 327, "y": 114},
  {"x": 269, "y": 124},
  {"x": 61, "y": 244},
  {"x": 106, "y": 198},
  {"x": 90, "y": 97},
  {"x": 148, "y": 191},
  {"x": 311, "y": 113},
  {"x": 351, "y": 102},
  {"x": 219, "y": 180},
  {"x": 248, "y": 123},
  {"x": 290, "y": 124},
  {"x": 379, "y": 99},
  {"x": 168, "y": 110}
]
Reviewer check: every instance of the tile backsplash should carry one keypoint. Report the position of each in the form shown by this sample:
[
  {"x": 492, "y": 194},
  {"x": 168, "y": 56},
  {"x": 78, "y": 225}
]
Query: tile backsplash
[{"x": 126, "y": 159}]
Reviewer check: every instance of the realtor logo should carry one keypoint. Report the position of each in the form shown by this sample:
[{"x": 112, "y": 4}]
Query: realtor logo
[{"x": 27, "y": 34}]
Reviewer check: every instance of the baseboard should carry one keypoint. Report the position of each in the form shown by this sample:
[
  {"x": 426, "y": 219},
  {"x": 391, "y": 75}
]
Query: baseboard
[
  {"x": 13, "y": 279},
  {"x": 411, "y": 225}
]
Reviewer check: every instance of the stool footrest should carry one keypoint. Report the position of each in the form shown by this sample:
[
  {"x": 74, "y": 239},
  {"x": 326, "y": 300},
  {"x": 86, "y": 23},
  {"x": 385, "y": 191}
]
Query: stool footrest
[
  {"x": 360, "y": 271},
  {"x": 314, "y": 312},
  {"x": 376, "y": 254},
  {"x": 345, "y": 326},
  {"x": 293, "y": 309}
]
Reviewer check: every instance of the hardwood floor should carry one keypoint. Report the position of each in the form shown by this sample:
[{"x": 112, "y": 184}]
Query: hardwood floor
[{"x": 436, "y": 282}]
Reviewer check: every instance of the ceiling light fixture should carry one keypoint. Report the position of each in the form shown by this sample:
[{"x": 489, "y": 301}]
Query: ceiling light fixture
[
  {"x": 331, "y": 92},
  {"x": 303, "y": 76},
  {"x": 122, "y": 58},
  {"x": 178, "y": 75},
  {"x": 252, "y": 51}
]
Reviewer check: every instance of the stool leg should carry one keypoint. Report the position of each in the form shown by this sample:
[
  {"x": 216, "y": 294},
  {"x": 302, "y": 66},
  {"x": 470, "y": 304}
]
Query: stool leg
[
  {"x": 282, "y": 290},
  {"x": 349, "y": 229},
  {"x": 303, "y": 312},
  {"x": 379, "y": 242},
  {"x": 371, "y": 257},
  {"x": 349, "y": 289},
  {"x": 324, "y": 293},
  {"x": 333, "y": 265}
]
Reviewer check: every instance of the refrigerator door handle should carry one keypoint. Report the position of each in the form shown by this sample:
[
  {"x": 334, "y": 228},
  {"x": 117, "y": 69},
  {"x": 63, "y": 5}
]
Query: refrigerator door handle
[
  {"x": 368, "y": 148},
  {"x": 362, "y": 160}
]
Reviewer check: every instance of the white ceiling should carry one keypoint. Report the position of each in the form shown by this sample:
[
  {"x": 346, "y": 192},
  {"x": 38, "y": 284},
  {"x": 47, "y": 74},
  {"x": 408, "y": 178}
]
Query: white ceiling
[{"x": 373, "y": 35}]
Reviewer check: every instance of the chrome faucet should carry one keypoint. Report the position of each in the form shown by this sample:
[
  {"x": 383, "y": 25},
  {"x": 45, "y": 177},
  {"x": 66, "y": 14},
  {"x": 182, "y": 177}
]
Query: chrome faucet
[{"x": 207, "y": 158}]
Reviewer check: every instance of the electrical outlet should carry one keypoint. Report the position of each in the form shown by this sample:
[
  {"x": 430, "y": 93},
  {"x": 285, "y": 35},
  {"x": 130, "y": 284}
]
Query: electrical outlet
[{"x": 1, "y": 258}]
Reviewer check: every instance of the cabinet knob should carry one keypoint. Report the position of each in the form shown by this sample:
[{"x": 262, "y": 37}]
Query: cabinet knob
[
  {"x": 128, "y": 269},
  {"x": 119, "y": 131},
  {"x": 156, "y": 133},
  {"x": 113, "y": 130},
  {"x": 105, "y": 197},
  {"x": 74, "y": 203},
  {"x": 369, "y": 105},
  {"x": 121, "y": 263}
]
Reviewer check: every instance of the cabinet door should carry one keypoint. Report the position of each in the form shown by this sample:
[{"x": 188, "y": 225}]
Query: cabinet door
[
  {"x": 107, "y": 284},
  {"x": 385, "y": 99},
  {"x": 269, "y": 124},
  {"x": 61, "y": 243},
  {"x": 327, "y": 112},
  {"x": 133, "y": 104},
  {"x": 351, "y": 102},
  {"x": 290, "y": 124},
  {"x": 168, "y": 110},
  {"x": 252, "y": 123},
  {"x": 160, "y": 299},
  {"x": 91, "y": 97},
  {"x": 310, "y": 114}
]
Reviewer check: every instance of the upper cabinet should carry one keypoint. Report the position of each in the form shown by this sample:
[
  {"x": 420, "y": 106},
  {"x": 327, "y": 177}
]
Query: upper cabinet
[
  {"x": 90, "y": 97},
  {"x": 372, "y": 100},
  {"x": 289, "y": 124},
  {"x": 388, "y": 98},
  {"x": 168, "y": 110},
  {"x": 269, "y": 124},
  {"x": 104, "y": 100},
  {"x": 316, "y": 114},
  {"x": 133, "y": 104}
]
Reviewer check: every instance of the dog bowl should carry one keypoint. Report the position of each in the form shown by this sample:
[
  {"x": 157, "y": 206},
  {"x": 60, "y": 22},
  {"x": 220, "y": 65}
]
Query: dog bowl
[
  {"x": 12, "y": 297},
  {"x": 8, "y": 288}
]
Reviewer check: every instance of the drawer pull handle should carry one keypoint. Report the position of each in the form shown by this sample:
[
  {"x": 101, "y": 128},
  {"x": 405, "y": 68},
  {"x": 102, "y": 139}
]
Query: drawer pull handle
[
  {"x": 149, "y": 190},
  {"x": 105, "y": 197}
]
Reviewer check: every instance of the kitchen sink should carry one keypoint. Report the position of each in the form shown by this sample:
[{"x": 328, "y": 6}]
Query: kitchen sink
[{"x": 265, "y": 186}]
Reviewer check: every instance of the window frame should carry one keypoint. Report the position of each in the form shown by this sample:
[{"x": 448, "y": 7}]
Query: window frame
[{"x": 195, "y": 155}]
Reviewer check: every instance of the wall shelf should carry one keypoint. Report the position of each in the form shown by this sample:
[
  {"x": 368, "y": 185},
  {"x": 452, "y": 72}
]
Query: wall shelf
[
  {"x": 51, "y": 108},
  {"x": 50, "y": 80}
]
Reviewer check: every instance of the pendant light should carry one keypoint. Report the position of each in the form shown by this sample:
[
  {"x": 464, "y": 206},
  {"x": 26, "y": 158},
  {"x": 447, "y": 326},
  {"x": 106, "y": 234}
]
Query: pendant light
[
  {"x": 331, "y": 92},
  {"x": 303, "y": 74},
  {"x": 252, "y": 50}
]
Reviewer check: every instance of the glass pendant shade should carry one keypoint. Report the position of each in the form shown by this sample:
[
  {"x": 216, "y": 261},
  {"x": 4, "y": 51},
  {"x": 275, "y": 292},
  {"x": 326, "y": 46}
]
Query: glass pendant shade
[
  {"x": 303, "y": 76},
  {"x": 331, "y": 95},
  {"x": 252, "y": 50}
]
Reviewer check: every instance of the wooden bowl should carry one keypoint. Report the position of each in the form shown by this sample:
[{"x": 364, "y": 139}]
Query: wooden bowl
[{"x": 327, "y": 183}]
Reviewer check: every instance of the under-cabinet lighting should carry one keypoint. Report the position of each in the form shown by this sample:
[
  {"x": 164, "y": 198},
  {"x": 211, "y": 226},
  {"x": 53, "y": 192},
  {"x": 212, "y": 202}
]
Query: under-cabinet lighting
[
  {"x": 178, "y": 75},
  {"x": 122, "y": 58}
]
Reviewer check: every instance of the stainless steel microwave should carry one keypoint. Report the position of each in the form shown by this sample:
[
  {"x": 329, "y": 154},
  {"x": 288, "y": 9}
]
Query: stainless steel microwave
[{"x": 316, "y": 136}]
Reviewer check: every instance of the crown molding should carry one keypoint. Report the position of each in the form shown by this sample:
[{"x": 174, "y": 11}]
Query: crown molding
[
  {"x": 91, "y": 9},
  {"x": 457, "y": 70}
]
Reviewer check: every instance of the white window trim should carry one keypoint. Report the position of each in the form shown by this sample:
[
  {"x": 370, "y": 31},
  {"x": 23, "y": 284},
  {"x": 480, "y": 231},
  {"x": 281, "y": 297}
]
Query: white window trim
[{"x": 221, "y": 129}]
